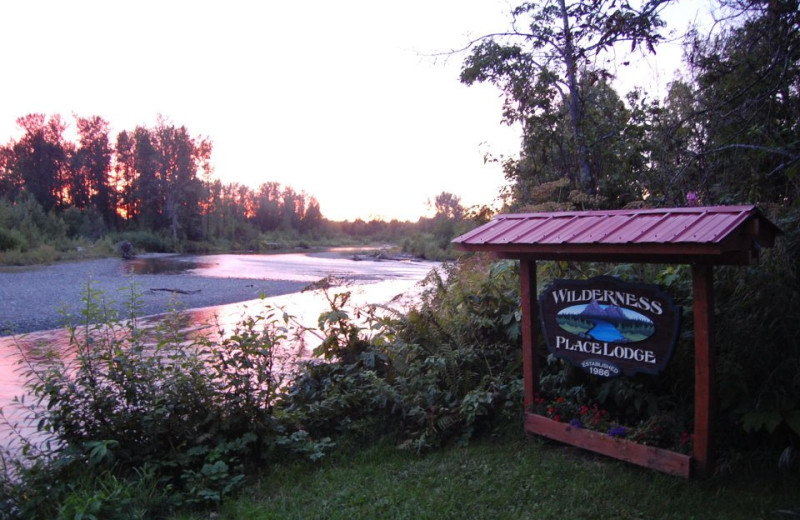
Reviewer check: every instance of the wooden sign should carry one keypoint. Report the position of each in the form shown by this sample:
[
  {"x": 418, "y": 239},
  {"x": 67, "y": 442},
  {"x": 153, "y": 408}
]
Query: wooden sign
[{"x": 609, "y": 327}]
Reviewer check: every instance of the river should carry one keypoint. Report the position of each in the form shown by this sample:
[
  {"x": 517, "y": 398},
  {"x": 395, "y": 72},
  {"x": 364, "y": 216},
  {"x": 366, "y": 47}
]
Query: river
[{"x": 387, "y": 282}]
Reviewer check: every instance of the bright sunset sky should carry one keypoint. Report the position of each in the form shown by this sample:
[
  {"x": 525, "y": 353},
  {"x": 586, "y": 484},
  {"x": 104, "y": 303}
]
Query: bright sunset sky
[{"x": 334, "y": 98}]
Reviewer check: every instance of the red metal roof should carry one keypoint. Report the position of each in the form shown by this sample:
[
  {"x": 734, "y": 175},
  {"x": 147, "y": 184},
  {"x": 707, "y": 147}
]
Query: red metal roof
[{"x": 724, "y": 234}]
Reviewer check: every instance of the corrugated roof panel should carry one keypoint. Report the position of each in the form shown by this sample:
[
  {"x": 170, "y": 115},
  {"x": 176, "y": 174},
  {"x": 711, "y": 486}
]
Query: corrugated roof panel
[
  {"x": 541, "y": 229},
  {"x": 651, "y": 226},
  {"x": 491, "y": 235},
  {"x": 668, "y": 229},
  {"x": 700, "y": 230},
  {"x": 583, "y": 230},
  {"x": 565, "y": 231},
  {"x": 711, "y": 227},
  {"x": 644, "y": 226},
  {"x": 521, "y": 229},
  {"x": 622, "y": 228}
]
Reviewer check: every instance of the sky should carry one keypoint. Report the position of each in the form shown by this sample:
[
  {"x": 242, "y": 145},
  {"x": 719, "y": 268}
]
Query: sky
[{"x": 343, "y": 100}]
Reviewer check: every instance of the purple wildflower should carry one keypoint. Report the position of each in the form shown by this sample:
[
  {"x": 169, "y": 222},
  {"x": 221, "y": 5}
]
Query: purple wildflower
[
  {"x": 576, "y": 423},
  {"x": 617, "y": 431}
]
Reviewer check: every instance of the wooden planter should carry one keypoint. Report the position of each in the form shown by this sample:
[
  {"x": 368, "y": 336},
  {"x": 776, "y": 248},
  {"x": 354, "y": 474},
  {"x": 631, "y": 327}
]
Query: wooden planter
[{"x": 654, "y": 458}]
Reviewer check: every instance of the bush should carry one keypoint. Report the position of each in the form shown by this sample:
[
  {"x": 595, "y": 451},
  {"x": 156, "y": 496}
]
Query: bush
[
  {"x": 126, "y": 407},
  {"x": 143, "y": 241},
  {"x": 42, "y": 254},
  {"x": 446, "y": 370},
  {"x": 11, "y": 239}
]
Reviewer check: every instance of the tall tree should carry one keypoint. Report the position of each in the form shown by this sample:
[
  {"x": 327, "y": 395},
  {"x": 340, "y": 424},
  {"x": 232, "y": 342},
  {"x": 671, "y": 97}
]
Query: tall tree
[
  {"x": 312, "y": 216},
  {"x": 41, "y": 159},
  {"x": 91, "y": 163},
  {"x": 11, "y": 183},
  {"x": 748, "y": 99},
  {"x": 146, "y": 185},
  {"x": 268, "y": 206},
  {"x": 538, "y": 63},
  {"x": 125, "y": 175},
  {"x": 180, "y": 159},
  {"x": 448, "y": 206},
  {"x": 549, "y": 152}
]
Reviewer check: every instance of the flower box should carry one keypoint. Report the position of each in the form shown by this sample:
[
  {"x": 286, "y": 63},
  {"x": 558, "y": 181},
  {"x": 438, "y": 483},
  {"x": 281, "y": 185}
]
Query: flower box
[{"x": 659, "y": 459}]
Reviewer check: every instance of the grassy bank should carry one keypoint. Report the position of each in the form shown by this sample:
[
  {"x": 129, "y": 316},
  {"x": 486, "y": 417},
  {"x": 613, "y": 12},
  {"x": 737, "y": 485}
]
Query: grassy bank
[{"x": 503, "y": 479}]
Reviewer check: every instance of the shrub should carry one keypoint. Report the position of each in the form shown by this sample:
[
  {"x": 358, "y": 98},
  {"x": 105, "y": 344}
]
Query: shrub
[
  {"x": 41, "y": 254},
  {"x": 143, "y": 240},
  {"x": 11, "y": 239},
  {"x": 445, "y": 370},
  {"x": 135, "y": 406}
]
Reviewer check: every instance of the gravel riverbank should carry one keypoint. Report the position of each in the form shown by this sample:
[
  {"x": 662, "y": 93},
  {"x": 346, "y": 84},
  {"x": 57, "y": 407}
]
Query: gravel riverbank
[{"x": 42, "y": 297}]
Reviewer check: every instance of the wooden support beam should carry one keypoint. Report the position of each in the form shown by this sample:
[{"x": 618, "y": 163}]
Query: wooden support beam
[
  {"x": 530, "y": 330},
  {"x": 705, "y": 367}
]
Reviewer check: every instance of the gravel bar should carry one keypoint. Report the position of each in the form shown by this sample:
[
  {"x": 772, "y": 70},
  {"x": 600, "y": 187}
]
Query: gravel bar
[{"x": 48, "y": 297}]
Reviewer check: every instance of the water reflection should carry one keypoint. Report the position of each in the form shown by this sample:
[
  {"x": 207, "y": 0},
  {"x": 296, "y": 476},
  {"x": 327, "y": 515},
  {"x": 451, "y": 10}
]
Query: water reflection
[
  {"x": 399, "y": 282},
  {"x": 161, "y": 265},
  {"x": 306, "y": 267}
]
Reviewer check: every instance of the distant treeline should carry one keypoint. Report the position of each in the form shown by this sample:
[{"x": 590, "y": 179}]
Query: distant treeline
[
  {"x": 147, "y": 179},
  {"x": 156, "y": 184}
]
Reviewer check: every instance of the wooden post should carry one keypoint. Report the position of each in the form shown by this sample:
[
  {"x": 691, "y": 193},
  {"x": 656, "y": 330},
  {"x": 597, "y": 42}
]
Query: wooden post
[
  {"x": 530, "y": 329},
  {"x": 704, "y": 368}
]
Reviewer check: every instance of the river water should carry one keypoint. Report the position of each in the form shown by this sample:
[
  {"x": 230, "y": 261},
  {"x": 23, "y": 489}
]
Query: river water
[{"x": 392, "y": 283}]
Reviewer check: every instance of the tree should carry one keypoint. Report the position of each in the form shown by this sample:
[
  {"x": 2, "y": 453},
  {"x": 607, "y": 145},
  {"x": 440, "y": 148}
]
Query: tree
[
  {"x": 11, "y": 183},
  {"x": 91, "y": 164},
  {"x": 672, "y": 140},
  {"x": 180, "y": 159},
  {"x": 125, "y": 175},
  {"x": 290, "y": 210},
  {"x": 747, "y": 99},
  {"x": 146, "y": 186},
  {"x": 268, "y": 206},
  {"x": 40, "y": 159},
  {"x": 540, "y": 62},
  {"x": 448, "y": 206},
  {"x": 549, "y": 153},
  {"x": 312, "y": 216}
]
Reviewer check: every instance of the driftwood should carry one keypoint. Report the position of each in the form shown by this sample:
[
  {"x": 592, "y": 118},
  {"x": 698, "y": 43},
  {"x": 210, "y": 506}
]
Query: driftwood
[{"x": 177, "y": 291}]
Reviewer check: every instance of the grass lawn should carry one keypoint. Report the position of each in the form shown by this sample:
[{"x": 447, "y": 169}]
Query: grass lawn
[{"x": 504, "y": 479}]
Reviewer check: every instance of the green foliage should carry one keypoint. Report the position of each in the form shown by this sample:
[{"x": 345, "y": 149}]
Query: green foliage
[
  {"x": 41, "y": 254},
  {"x": 746, "y": 101},
  {"x": 143, "y": 241},
  {"x": 759, "y": 358},
  {"x": 127, "y": 408},
  {"x": 11, "y": 239},
  {"x": 447, "y": 369},
  {"x": 83, "y": 223}
]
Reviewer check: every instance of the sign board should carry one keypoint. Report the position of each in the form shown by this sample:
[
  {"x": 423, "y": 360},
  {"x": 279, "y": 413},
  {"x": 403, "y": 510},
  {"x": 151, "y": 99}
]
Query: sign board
[{"x": 609, "y": 327}]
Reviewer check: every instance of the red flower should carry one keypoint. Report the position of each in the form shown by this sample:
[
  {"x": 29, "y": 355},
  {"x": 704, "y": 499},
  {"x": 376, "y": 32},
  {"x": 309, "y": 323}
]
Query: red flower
[
  {"x": 560, "y": 400},
  {"x": 557, "y": 418},
  {"x": 584, "y": 410}
]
